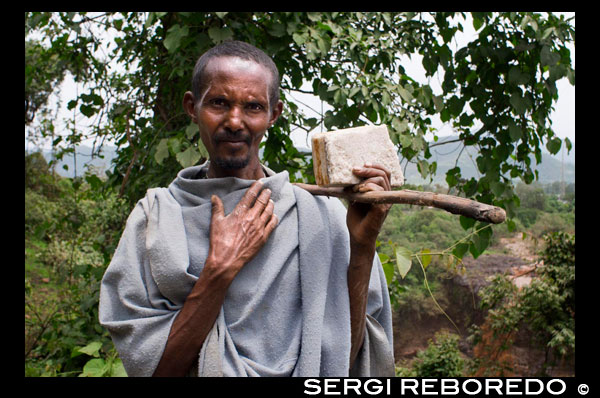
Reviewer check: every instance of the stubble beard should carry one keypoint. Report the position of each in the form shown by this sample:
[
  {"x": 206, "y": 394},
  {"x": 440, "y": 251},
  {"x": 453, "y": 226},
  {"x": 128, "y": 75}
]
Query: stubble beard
[{"x": 232, "y": 163}]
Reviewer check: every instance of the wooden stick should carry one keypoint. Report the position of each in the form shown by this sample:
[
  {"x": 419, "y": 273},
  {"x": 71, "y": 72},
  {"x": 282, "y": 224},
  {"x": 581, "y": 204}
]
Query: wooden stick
[{"x": 453, "y": 204}]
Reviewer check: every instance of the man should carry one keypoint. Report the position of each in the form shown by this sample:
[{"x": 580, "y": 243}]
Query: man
[{"x": 232, "y": 271}]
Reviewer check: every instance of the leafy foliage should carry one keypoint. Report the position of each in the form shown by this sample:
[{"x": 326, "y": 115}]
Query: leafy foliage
[
  {"x": 441, "y": 358},
  {"x": 43, "y": 73},
  {"x": 71, "y": 233},
  {"x": 546, "y": 306}
]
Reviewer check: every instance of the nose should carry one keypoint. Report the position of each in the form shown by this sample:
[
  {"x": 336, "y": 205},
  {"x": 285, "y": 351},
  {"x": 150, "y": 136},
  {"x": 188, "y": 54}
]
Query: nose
[{"x": 234, "y": 119}]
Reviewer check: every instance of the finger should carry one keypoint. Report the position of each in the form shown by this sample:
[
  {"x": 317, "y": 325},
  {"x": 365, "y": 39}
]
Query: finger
[
  {"x": 388, "y": 173},
  {"x": 217, "y": 206},
  {"x": 370, "y": 170},
  {"x": 375, "y": 174},
  {"x": 268, "y": 212},
  {"x": 262, "y": 200},
  {"x": 251, "y": 194},
  {"x": 371, "y": 185},
  {"x": 273, "y": 222}
]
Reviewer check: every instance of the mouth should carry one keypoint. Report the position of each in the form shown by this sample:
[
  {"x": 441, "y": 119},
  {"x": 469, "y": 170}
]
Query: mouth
[{"x": 233, "y": 140}]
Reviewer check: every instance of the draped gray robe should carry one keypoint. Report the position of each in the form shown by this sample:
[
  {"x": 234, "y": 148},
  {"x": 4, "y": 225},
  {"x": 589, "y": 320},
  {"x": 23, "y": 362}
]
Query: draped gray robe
[{"x": 286, "y": 313}]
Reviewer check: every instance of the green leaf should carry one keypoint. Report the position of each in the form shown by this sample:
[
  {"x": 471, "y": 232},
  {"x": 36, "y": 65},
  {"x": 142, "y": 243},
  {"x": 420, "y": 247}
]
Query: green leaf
[
  {"x": 548, "y": 57},
  {"x": 94, "y": 368},
  {"x": 571, "y": 76},
  {"x": 514, "y": 131},
  {"x": 466, "y": 222},
  {"x": 473, "y": 248},
  {"x": 299, "y": 39},
  {"x": 92, "y": 349},
  {"x": 497, "y": 188},
  {"x": 117, "y": 369},
  {"x": 568, "y": 144},
  {"x": 202, "y": 149},
  {"x": 189, "y": 157},
  {"x": 174, "y": 37},
  {"x": 460, "y": 250},
  {"x": 482, "y": 240},
  {"x": 384, "y": 258},
  {"x": 455, "y": 105},
  {"x": 423, "y": 168},
  {"x": 174, "y": 144},
  {"x": 162, "y": 151},
  {"x": 219, "y": 34},
  {"x": 425, "y": 257},
  {"x": 87, "y": 110},
  {"x": 511, "y": 225},
  {"x": 277, "y": 30},
  {"x": 405, "y": 94},
  {"x": 477, "y": 23},
  {"x": 191, "y": 130},
  {"x": 403, "y": 261},
  {"x": 388, "y": 270},
  {"x": 553, "y": 145},
  {"x": 517, "y": 103},
  {"x": 94, "y": 181},
  {"x": 516, "y": 76}
]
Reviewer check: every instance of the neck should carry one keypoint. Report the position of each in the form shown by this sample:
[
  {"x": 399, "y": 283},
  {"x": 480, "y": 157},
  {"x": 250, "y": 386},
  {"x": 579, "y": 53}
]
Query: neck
[{"x": 253, "y": 171}]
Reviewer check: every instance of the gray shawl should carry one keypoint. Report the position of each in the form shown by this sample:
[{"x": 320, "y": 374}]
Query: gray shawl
[{"x": 285, "y": 314}]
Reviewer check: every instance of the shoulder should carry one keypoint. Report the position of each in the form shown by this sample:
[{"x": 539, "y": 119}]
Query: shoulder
[
  {"x": 153, "y": 197},
  {"x": 331, "y": 206}
]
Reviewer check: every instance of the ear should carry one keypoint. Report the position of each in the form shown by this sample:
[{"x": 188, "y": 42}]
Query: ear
[
  {"x": 277, "y": 109},
  {"x": 189, "y": 105}
]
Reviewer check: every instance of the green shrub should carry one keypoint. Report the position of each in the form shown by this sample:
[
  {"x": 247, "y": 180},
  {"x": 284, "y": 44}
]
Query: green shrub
[
  {"x": 442, "y": 358},
  {"x": 75, "y": 230},
  {"x": 546, "y": 307},
  {"x": 553, "y": 222}
]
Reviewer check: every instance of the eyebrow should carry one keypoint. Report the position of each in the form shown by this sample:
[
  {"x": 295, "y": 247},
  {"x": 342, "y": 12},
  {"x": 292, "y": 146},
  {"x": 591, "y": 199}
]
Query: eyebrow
[{"x": 254, "y": 100}]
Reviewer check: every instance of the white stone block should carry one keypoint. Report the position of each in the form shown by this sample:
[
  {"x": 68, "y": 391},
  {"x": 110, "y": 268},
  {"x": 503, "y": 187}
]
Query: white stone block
[{"x": 335, "y": 153}]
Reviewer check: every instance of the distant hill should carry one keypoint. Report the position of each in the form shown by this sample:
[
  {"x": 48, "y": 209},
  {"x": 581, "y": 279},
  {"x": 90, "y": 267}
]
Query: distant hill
[
  {"x": 84, "y": 159},
  {"x": 549, "y": 169}
]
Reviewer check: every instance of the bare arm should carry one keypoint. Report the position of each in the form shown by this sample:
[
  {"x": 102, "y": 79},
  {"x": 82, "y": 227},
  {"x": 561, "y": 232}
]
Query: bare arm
[
  {"x": 364, "y": 223},
  {"x": 234, "y": 240}
]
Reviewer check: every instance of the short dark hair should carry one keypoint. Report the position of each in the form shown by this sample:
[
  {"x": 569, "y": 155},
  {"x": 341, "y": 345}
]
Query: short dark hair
[{"x": 239, "y": 49}]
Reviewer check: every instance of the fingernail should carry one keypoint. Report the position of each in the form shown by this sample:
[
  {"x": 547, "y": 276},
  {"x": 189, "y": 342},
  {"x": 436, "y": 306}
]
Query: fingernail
[{"x": 368, "y": 164}]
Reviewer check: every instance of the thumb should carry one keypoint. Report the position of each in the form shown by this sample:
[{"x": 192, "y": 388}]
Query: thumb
[{"x": 217, "y": 206}]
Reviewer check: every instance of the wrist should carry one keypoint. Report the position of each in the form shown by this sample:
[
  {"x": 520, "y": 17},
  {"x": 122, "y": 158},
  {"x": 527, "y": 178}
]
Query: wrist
[
  {"x": 366, "y": 247},
  {"x": 220, "y": 271}
]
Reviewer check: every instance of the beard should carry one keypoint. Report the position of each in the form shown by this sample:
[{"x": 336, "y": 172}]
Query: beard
[{"x": 231, "y": 163}]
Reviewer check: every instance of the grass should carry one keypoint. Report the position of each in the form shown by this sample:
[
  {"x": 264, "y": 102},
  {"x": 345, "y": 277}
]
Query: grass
[{"x": 35, "y": 270}]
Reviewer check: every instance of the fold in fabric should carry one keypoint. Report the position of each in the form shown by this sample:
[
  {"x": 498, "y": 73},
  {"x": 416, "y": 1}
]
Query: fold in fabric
[{"x": 285, "y": 314}]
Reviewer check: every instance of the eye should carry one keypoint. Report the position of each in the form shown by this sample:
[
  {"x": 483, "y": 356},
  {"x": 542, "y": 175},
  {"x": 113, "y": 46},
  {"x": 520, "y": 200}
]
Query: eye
[
  {"x": 255, "y": 106},
  {"x": 218, "y": 102}
]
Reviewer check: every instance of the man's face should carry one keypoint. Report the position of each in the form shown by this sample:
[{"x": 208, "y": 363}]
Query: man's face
[{"x": 233, "y": 112}]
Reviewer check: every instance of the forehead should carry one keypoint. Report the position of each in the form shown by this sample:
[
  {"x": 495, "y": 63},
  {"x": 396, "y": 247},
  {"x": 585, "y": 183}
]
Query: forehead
[{"x": 237, "y": 73}]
